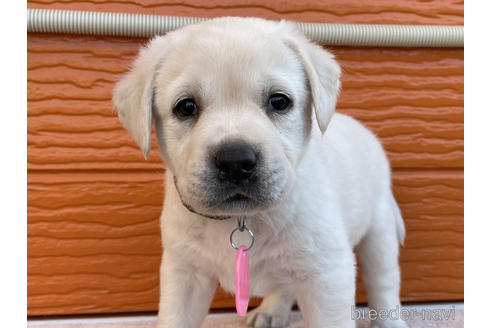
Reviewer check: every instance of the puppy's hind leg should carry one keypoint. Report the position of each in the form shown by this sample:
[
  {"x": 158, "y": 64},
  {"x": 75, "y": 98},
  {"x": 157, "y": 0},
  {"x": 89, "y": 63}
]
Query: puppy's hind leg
[
  {"x": 272, "y": 313},
  {"x": 378, "y": 256}
]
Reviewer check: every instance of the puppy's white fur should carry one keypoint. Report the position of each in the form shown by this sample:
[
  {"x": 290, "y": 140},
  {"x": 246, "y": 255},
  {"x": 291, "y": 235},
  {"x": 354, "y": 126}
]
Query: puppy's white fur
[{"x": 326, "y": 186}]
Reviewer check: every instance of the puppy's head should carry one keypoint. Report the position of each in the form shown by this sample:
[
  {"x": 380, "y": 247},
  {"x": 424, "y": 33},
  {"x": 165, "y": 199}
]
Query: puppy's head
[{"x": 231, "y": 100}]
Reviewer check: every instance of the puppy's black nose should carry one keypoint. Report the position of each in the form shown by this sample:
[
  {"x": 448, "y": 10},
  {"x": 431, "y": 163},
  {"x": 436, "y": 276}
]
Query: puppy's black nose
[{"x": 235, "y": 162}]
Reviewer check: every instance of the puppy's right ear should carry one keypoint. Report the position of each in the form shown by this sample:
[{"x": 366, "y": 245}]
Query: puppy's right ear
[
  {"x": 322, "y": 71},
  {"x": 133, "y": 95}
]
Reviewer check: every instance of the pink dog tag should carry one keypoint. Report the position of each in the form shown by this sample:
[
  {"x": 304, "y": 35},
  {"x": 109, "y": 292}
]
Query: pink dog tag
[{"x": 242, "y": 280}]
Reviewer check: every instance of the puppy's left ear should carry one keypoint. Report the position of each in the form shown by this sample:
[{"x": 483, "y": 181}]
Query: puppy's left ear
[
  {"x": 323, "y": 73},
  {"x": 133, "y": 95}
]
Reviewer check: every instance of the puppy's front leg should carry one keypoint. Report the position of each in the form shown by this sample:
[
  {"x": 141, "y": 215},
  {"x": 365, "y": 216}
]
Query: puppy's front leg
[
  {"x": 326, "y": 297},
  {"x": 185, "y": 294}
]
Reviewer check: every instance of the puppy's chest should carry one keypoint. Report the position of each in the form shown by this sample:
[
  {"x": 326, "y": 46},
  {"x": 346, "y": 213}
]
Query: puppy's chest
[{"x": 270, "y": 263}]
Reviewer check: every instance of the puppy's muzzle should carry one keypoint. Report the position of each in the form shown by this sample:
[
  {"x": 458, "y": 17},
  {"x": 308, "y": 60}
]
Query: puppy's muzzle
[{"x": 235, "y": 162}]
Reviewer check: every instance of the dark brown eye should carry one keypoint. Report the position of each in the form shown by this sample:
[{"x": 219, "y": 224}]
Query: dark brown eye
[
  {"x": 185, "y": 108},
  {"x": 278, "y": 102}
]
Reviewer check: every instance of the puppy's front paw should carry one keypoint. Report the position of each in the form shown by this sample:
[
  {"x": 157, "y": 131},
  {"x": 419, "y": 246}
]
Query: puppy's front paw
[{"x": 263, "y": 317}]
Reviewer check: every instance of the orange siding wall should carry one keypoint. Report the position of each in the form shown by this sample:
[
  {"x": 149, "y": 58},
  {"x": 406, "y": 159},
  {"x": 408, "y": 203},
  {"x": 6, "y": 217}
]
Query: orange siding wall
[{"x": 94, "y": 203}]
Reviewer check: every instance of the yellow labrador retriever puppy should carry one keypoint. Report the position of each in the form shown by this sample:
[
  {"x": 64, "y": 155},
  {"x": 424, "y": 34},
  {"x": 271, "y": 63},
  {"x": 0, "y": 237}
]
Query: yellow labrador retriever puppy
[{"x": 244, "y": 114}]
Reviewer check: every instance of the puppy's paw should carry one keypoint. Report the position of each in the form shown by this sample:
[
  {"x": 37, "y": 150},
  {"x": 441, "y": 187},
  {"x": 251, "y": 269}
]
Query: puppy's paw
[
  {"x": 389, "y": 324},
  {"x": 263, "y": 317}
]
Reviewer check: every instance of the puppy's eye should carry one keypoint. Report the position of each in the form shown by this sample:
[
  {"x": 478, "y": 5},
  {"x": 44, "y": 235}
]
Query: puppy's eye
[
  {"x": 185, "y": 108},
  {"x": 278, "y": 102}
]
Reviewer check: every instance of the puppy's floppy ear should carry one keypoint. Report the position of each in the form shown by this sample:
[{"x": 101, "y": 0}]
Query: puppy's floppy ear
[
  {"x": 323, "y": 73},
  {"x": 133, "y": 95}
]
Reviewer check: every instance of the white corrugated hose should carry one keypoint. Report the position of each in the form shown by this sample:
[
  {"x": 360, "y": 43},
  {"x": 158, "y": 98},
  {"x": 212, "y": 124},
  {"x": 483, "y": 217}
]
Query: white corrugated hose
[{"x": 133, "y": 25}]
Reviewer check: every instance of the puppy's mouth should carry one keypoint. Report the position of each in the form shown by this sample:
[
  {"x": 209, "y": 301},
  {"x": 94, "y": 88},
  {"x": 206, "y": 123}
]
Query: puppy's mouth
[
  {"x": 236, "y": 204},
  {"x": 239, "y": 203},
  {"x": 237, "y": 198}
]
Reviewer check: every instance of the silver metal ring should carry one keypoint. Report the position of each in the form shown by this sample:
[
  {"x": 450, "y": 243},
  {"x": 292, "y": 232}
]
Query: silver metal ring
[{"x": 242, "y": 229}]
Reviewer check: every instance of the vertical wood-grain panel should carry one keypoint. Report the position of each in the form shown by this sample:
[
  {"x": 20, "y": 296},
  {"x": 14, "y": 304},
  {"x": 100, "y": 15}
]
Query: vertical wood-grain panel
[
  {"x": 94, "y": 242},
  {"x": 444, "y": 12},
  {"x": 411, "y": 98}
]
